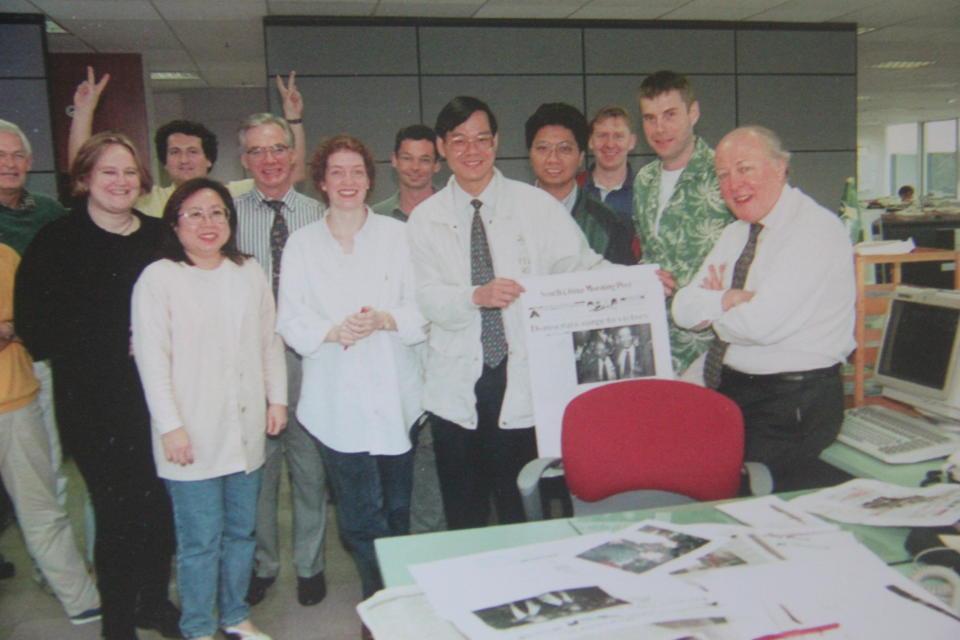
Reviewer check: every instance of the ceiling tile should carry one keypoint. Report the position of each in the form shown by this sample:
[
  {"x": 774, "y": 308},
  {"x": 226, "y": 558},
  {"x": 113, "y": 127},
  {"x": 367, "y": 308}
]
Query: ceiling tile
[
  {"x": 211, "y": 10},
  {"x": 629, "y": 9},
  {"x": 322, "y": 7},
  {"x": 412, "y": 8},
  {"x": 720, "y": 9},
  {"x": 117, "y": 36},
  {"x": 546, "y": 9},
  {"x": 102, "y": 10}
]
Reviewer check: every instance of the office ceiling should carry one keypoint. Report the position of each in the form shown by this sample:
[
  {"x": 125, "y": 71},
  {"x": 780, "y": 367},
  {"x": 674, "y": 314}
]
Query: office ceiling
[{"x": 222, "y": 40}]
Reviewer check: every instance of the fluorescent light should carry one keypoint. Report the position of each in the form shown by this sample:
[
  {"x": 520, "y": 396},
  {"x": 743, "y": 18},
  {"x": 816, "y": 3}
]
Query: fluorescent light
[
  {"x": 902, "y": 64},
  {"x": 53, "y": 27},
  {"x": 865, "y": 30},
  {"x": 173, "y": 75}
]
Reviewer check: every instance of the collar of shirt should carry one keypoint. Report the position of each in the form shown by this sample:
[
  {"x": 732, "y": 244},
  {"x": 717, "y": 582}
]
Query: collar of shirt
[
  {"x": 779, "y": 215},
  {"x": 262, "y": 199},
  {"x": 26, "y": 205},
  {"x": 628, "y": 180},
  {"x": 462, "y": 199},
  {"x": 571, "y": 199}
]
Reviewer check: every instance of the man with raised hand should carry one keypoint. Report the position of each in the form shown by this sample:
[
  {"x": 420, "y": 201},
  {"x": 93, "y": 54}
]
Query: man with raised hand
[
  {"x": 186, "y": 149},
  {"x": 266, "y": 216}
]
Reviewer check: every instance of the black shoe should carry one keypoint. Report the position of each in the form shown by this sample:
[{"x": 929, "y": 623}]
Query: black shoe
[
  {"x": 163, "y": 617},
  {"x": 311, "y": 590},
  {"x": 257, "y": 590}
]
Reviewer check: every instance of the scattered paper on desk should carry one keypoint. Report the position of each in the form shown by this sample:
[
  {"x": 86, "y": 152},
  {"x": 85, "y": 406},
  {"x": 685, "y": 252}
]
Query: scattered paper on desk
[
  {"x": 404, "y": 613},
  {"x": 772, "y": 512},
  {"x": 660, "y": 581},
  {"x": 863, "y": 501},
  {"x": 885, "y": 247}
]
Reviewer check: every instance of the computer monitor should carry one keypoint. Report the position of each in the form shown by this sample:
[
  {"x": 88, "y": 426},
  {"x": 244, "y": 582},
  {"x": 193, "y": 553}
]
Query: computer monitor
[{"x": 919, "y": 359}]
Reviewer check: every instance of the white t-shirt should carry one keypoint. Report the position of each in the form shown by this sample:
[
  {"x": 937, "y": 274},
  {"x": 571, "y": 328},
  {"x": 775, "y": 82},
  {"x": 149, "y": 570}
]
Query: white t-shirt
[{"x": 668, "y": 180}]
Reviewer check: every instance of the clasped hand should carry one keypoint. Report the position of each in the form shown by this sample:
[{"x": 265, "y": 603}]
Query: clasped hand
[{"x": 357, "y": 326}]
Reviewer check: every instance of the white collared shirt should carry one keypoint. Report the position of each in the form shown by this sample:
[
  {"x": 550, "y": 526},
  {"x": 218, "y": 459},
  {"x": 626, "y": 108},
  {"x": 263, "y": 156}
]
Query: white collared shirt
[{"x": 802, "y": 314}]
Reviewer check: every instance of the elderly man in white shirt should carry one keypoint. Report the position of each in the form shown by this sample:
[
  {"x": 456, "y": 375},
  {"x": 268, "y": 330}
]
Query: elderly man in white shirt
[{"x": 778, "y": 291}]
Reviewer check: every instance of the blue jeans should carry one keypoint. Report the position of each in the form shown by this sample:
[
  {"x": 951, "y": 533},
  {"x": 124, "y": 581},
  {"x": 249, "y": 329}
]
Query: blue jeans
[
  {"x": 373, "y": 501},
  {"x": 214, "y": 522}
]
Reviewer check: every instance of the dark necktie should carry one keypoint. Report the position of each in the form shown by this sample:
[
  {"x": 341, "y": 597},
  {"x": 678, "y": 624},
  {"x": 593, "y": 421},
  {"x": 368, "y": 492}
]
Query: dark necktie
[
  {"x": 278, "y": 238},
  {"x": 481, "y": 272},
  {"x": 714, "y": 360}
]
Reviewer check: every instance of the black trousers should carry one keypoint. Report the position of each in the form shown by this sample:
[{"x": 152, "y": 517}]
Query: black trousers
[
  {"x": 475, "y": 465},
  {"x": 106, "y": 427},
  {"x": 789, "y": 419}
]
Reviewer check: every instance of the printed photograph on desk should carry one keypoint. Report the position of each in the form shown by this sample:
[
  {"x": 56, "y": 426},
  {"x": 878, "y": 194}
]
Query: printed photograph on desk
[
  {"x": 587, "y": 329},
  {"x": 548, "y": 606},
  {"x": 648, "y": 547}
]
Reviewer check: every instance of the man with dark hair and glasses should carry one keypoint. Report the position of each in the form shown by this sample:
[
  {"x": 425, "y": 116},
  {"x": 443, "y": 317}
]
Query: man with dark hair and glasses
[
  {"x": 556, "y": 141},
  {"x": 470, "y": 243}
]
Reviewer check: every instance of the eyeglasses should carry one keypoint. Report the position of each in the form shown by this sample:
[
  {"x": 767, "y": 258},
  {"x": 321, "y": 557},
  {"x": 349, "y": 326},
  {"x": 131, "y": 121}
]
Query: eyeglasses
[
  {"x": 275, "y": 150},
  {"x": 565, "y": 149},
  {"x": 16, "y": 155},
  {"x": 459, "y": 144},
  {"x": 196, "y": 217}
]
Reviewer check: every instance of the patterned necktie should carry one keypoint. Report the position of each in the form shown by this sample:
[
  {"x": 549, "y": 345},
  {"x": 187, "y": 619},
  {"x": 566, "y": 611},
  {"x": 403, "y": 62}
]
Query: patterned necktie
[
  {"x": 714, "y": 360},
  {"x": 481, "y": 272},
  {"x": 278, "y": 238}
]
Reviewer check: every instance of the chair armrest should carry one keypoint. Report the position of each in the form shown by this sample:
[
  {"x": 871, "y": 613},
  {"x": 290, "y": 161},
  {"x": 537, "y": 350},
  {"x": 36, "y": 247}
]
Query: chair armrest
[
  {"x": 761, "y": 482},
  {"x": 528, "y": 483}
]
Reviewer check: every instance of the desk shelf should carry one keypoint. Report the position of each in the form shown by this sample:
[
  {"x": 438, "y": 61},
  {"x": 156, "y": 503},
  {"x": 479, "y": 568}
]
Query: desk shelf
[{"x": 871, "y": 301}]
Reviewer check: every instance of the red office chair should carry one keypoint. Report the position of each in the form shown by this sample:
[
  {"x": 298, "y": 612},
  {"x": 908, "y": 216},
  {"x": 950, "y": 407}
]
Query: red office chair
[{"x": 647, "y": 443}]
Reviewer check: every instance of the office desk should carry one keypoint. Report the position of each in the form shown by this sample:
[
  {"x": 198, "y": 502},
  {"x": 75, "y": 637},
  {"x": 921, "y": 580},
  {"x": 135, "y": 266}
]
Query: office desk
[
  {"x": 861, "y": 465},
  {"x": 396, "y": 554}
]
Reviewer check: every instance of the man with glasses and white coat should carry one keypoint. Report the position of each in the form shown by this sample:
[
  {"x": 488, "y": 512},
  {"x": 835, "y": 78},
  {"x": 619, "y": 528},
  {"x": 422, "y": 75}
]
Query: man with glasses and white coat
[{"x": 470, "y": 242}]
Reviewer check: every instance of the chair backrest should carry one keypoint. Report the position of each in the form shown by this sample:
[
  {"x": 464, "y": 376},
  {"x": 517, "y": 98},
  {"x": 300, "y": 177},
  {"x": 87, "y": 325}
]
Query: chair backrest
[{"x": 652, "y": 434}]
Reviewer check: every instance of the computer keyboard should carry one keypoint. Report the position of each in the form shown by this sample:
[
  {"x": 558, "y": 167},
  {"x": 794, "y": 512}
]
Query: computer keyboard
[{"x": 895, "y": 437}]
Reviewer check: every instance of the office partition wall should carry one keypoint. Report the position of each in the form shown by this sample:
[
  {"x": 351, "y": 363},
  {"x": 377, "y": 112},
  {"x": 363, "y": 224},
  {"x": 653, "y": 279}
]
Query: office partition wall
[{"x": 369, "y": 77}]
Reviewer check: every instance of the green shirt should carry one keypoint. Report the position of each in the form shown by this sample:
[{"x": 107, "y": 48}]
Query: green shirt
[
  {"x": 602, "y": 226},
  {"x": 689, "y": 226},
  {"x": 390, "y": 207},
  {"x": 18, "y": 226}
]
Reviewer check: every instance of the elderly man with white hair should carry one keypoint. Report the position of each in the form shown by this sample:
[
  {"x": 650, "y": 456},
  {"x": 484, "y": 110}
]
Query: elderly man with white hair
[{"x": 778, "y": 291}]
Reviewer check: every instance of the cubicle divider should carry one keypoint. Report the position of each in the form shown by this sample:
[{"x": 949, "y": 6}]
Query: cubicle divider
[{"x": 370, "y": 77}]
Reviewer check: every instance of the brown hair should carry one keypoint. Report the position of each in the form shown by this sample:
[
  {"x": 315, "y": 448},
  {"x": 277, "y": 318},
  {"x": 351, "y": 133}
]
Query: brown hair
[
  {"x": 612, "y": 111},
  {"x": 170, "y": 245},
  {"x": 90, "y": 153},
  {"x": 664, "y": 81},
  {"x": 327, "y": 148}
]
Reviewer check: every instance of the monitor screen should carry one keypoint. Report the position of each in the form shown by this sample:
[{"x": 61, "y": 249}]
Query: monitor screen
[{"x": 918, "y": 343}]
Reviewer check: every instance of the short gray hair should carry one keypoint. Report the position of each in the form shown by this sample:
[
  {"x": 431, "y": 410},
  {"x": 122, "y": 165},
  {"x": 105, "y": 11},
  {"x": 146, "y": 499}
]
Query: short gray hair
[
  {"x": 9, "y": 127},
  {"x": 259, "y": 119},
  {"x": 770, "y": 140}
]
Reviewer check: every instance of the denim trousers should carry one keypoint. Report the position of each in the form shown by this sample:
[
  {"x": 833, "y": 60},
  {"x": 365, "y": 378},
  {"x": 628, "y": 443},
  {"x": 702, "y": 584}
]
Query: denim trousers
[
  {"x": 373, "y": 501},
  {"x": 214, "y": 521}
]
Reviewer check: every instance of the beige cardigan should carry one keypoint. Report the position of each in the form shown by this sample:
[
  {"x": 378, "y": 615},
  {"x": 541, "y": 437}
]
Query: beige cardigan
[{"x": 210, "y": 361}]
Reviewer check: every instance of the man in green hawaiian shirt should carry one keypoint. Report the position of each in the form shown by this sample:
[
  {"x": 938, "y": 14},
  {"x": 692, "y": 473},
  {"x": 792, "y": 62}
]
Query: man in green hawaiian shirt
[{"x": 677, "y": 207}]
